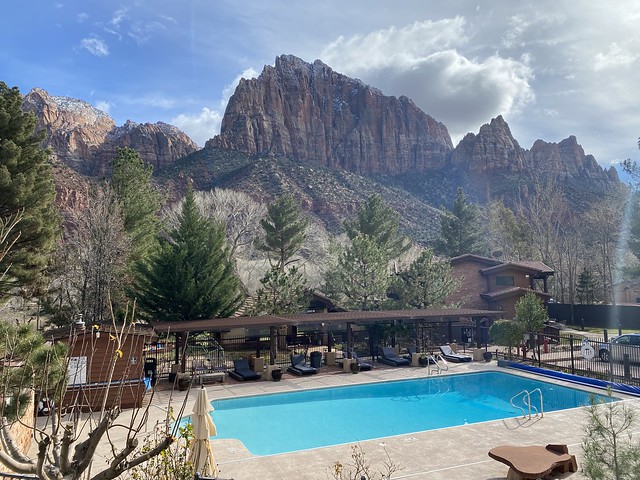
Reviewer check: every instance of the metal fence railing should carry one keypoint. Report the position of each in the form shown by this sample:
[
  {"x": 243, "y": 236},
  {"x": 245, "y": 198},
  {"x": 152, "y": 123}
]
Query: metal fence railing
[{"x": 588, "y": 356}]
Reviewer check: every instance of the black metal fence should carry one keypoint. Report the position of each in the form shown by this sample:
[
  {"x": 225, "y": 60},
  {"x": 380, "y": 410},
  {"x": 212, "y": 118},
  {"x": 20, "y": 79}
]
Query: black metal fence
[{"x": 588, "y": 356}]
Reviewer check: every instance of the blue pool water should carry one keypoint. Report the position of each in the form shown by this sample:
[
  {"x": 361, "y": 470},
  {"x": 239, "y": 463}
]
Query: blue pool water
[{"x": 286, "y": 422}]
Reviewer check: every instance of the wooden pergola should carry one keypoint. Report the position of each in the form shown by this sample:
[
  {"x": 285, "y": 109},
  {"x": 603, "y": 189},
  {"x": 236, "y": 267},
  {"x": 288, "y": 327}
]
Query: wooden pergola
[{"x": 273, "y": 322}]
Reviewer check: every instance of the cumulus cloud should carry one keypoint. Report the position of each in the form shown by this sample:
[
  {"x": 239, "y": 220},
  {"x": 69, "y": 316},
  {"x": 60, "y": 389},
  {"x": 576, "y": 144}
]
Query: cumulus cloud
[
  {"x": 103, "y": 106},
  {"x": 95, "y": 46},
  {"x": 201, "y": 126},
  {"x": 206, "y": 124},
  {"x": 422, "y": 62}
]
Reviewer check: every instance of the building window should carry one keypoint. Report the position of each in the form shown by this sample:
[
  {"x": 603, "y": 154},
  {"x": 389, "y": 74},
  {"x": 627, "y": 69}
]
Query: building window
[{"x": 504, "y": 281}]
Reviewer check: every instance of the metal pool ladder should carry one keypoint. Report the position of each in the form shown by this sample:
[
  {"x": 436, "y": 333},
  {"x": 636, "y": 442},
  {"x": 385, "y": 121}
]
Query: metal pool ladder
[
  {"x": 526, "y": 399},
  {"x": 434, "y": 360}
]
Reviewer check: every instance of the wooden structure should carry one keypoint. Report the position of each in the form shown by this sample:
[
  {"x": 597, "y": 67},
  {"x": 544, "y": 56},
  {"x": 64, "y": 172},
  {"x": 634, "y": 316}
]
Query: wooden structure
[
  {"x": 100, "y": 366},
  {"x": 528, "y": 463},
  {"x": 490, "y": 284}
]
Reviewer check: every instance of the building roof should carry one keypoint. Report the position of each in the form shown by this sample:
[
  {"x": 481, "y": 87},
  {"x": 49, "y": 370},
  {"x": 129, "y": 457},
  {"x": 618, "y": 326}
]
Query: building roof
[
  {"x": 536, "y": 268},
  {"x": 511, "y": 292},
  {"x": 475, "y": 258},
  {"x": 82, "y": 329},
  {"x": 265, "y": 321}
]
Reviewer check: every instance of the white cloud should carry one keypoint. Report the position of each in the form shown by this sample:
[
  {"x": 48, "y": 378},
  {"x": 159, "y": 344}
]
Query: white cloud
[
  {"x": 104, "y": 106},
  {"x": 82, "y": 17},
  {"x": 200, "y": 127},
  {"x": 95, "y": 46},
  {"x": 118, "y": 17},
  {"x": 206, "y": 124},
  {"x": 422, "y": 62},
  {"x": 616, "y": 56}
]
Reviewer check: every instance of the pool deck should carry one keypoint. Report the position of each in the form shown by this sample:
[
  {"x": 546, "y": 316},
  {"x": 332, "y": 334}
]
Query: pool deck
[{"x": 450, "y": 453}]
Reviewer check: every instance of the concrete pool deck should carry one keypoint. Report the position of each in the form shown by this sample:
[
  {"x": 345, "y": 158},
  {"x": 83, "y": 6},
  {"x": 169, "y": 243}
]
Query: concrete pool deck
[{"x": 450, "y": 453}]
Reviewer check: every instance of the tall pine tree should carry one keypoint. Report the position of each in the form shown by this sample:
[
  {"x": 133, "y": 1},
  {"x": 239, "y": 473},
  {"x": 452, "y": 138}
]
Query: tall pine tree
[
  {"x": 27, "y": 189},
  {"x": 461, "y": 230},
  {"x": 379, "y": 223},
  {"x": 139, "y": 200},
  {"x": 285, "y": 231},
  {"x": 191, "y": 276}
]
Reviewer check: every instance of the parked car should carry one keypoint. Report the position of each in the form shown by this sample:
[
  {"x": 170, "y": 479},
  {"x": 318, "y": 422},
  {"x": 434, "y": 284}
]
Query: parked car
[{"x": 628, "y": 343}]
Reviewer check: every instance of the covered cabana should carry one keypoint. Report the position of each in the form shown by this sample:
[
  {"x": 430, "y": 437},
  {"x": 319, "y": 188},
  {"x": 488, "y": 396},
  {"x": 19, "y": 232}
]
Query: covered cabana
[{"x": 449, "y": 317}]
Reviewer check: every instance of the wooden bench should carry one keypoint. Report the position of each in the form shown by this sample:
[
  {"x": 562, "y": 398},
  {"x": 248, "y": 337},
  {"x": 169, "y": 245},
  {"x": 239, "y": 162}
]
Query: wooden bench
[
  {"x": 527, "y": 463},
  {"x": 212, "y": 377}
]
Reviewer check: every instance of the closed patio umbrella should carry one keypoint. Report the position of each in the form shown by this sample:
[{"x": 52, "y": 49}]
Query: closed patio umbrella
[{"x": 203, "y": 427}]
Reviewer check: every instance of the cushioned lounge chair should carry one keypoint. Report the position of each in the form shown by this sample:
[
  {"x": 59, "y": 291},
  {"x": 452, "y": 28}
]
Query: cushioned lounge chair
[
  {"x": 363, "y": 365},
  {"x": 242, "y": 371},
  {"x": 449, "y": 354},
  {"x": 411, "y": 350},
  {"x": 390, "y": 357},
  {"x": 534, "y": 461},
  {"x": 299, "y": 366}
]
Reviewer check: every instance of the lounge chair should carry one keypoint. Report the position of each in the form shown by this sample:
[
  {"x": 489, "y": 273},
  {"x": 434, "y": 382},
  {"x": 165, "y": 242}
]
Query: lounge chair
[
  {"x": 449, "y": 354},
  {"x": 363, "y": 365},
  {"x": 411, "y": 350},
  {"x": 299, "y": 366},
  {"x": 534, "y": 461},
  {"x": 390, "y": 357},
  {"x": 241, "y": 371}
]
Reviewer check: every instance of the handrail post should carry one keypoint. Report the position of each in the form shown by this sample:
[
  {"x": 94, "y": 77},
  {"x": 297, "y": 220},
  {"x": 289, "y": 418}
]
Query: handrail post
[{"x": 573, "y": 366}]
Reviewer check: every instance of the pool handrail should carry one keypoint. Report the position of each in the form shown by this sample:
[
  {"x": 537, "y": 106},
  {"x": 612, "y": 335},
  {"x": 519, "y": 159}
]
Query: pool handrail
[
  {"x": 434, "y": 360},
  {"x": 526, "y": 399}
]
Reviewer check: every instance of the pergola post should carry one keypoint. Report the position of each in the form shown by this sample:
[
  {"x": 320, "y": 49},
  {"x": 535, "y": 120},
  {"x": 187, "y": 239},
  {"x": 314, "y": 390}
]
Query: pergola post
[
  {"x": 273, "y": 344},
  {"x": 349, "y": 340}
]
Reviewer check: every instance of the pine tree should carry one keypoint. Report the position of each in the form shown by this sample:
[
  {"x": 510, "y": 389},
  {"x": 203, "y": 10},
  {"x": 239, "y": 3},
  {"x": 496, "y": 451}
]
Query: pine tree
[
  {"x": 360, "y": 278},
  {"x": 379, "y": 223},
  {"x": 285, "y": 231},
  {"x": 191, "y": 276},
  {"x": 282, "y": 292},
  {"x": 426, "y": 283},
  {"x": 586, "y": 288},
  {"x": 531, "y": 313},
  {"x": 461, "y": 231},
  {"x": 27, "y": 189},
  {"x": 139, "y": 200}
]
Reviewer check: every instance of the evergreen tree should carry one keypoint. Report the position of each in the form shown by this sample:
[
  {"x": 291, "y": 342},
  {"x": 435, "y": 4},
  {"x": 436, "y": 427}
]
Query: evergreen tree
[
  {"x": 506, "y": 332},
  {"x": 285, "y": 231},
  {"x": 586, "y": 288},
  {"x": 26, "y": 189},
  {"x": 531, "y": 313},
  {"x": 426, "y": 283},
  {"x": 139, "y": 200},
  {"x": 380, "y": 224},
  {"x": 282, "y": 292},
  {"x": 461, "y": 232},
  {"x": 360, "y": 278},
  {"x": 191, "y": 276}
]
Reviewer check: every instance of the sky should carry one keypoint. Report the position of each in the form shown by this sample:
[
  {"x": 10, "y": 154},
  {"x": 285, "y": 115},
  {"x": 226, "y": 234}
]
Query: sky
[{"x": 551, "y": 68}]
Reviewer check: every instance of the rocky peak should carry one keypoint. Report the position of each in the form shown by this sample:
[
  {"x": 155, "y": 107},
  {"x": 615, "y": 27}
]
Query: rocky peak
[
  {"x": 86, "y": 139},
  {"x": 567, "y": 158},
  {"x": 492, "y": 149},
  {"x": 312, "y": 113}
]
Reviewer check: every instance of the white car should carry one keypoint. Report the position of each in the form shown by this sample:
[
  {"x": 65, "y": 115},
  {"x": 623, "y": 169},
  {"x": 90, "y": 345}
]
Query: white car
[{"x": 628, "y": 343}]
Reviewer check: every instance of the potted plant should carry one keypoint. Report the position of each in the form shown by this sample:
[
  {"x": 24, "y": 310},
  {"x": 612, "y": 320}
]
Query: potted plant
[
  {"x": 423, "y": 361},
  {"x": 487, "y": 356},
  {"x": 276, "y": 374},
  {"x": 184, "y": 381},
  {"x": 355, "y": 367}
]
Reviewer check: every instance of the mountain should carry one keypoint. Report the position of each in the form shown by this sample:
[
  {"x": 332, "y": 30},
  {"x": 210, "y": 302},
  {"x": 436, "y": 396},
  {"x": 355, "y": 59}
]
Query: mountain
[
  {"x": 86, "y": 138},
  {"x": 312, "y": 113}
]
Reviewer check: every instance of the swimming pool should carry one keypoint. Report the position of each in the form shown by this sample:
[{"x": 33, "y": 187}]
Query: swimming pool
[{"x": 286, "y": 422}]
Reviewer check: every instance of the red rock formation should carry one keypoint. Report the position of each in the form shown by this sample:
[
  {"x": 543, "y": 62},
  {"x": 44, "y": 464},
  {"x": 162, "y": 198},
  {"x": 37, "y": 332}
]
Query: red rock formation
[
  {"x": 309, "y": 112},
  {"x": 86, "y": 138},
  {"x": 567, "y": 158}
]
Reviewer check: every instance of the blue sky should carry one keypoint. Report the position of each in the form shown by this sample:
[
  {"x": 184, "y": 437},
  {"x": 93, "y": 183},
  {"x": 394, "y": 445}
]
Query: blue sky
[{"x": 551, "y": 68}]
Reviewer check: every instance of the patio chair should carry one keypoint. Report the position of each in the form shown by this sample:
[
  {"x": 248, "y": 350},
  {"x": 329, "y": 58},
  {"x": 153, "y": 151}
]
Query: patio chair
[
  {"x": 390, "y": 357},
  {"x": 363, "y": 365},
  {"x": 241, "y": 371},
  {"x": 449, "y": 354},
  {"x": 299, "y": 366},
  {"x": 536, "y": 461},
  {"x": 411, "y": 350}
]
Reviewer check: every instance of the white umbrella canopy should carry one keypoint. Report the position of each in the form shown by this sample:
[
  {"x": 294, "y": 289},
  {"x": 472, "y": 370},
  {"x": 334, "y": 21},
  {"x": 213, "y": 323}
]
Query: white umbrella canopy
[{"x": 203, "y": 427}]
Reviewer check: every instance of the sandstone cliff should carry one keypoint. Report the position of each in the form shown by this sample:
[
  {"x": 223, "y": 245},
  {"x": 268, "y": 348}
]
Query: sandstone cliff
[
  {"x": 86, "y": 138},
  {"x": 492, "y": 149},
  {"x": 311, "y": 113}
]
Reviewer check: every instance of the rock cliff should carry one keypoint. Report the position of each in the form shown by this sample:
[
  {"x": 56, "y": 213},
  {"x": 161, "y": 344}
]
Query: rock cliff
[
  {"x": 86, "y": 138},
  {"x": 312, "y": 113}
]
